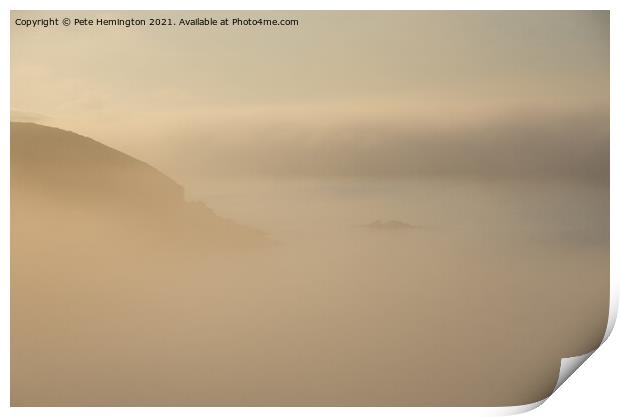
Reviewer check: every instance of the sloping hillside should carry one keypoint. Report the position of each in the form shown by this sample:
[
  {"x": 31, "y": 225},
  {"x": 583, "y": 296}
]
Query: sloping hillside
[{"x": 65, "y": 187}]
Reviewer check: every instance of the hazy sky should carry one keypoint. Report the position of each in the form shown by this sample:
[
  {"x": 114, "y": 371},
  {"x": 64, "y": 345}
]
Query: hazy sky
[{"x": 407, "y": 82}]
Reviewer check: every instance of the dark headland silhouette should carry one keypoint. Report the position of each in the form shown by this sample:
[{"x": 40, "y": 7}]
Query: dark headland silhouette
[{"x": 67, "y": 186}]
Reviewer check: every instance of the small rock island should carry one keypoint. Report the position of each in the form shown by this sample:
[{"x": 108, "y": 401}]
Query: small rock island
[{"x": 389, "y": 225}]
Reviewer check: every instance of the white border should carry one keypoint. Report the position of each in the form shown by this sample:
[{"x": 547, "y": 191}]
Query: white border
[{"x": 601, "y": 380}]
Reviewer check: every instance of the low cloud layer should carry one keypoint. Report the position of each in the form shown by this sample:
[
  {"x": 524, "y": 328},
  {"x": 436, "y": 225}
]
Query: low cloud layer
[{"x": 568, "y": 146}]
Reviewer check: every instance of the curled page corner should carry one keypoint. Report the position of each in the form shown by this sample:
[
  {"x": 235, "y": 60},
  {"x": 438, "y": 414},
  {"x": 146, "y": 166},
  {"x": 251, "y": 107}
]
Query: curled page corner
[
  {"x": 613, "y": 308},
  {"x": 519, "y": 409},
  {"x": 569, "y": 365}
]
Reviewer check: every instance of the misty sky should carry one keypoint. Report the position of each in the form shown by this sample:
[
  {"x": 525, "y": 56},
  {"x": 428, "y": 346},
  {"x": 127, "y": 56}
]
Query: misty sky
[{"x": 342, "y": 94}]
